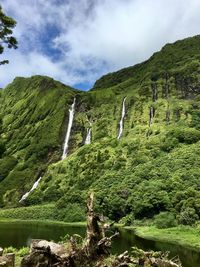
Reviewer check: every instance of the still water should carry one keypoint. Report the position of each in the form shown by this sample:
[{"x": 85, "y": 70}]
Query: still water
[{"x": 18, "y": 234}]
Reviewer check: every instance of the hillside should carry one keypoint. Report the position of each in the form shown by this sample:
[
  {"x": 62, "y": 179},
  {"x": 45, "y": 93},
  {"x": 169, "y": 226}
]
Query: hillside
[
  {"x": 31, "y": 108},
  {"x": 152, "y": 167},
  {"x": 179, "y": 56}
]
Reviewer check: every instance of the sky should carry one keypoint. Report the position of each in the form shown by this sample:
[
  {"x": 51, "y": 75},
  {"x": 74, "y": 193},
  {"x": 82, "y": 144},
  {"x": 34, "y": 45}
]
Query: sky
[{"x": 78, "y": 41}]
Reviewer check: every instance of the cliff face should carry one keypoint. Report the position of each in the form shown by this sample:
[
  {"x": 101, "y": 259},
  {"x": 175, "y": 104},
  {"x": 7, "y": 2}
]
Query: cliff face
[
  {"x": 34, "y": 114},
  {"x": 150, "y": 167}
]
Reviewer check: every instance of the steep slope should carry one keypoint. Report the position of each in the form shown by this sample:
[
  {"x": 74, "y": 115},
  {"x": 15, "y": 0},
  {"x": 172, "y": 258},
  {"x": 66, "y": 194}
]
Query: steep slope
[
  {"x": 35, "y": 114},
  {"x": 152, "y": 167},
  {"x": 155, "y": 165},
  {"x": 181, "y": 56}
]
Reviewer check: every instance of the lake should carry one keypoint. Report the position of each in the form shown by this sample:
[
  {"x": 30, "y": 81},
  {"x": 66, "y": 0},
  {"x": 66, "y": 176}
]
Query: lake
[{"x": 18, "y": 234}]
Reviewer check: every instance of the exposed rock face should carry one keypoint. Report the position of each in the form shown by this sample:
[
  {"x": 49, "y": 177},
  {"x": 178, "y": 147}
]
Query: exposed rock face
[{"x": 7, "y": 260}]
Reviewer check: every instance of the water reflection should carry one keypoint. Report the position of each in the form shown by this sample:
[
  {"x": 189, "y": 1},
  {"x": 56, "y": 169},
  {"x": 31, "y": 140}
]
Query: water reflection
[{"x": 19, "y": 234}]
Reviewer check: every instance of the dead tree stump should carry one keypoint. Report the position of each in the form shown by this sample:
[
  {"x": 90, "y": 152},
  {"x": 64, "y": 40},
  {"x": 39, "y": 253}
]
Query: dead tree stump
[{"x": 93, "y": 251}]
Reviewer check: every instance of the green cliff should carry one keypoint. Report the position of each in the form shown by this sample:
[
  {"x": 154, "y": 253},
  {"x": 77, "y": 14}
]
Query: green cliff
[{"x": 153, "y": 167}]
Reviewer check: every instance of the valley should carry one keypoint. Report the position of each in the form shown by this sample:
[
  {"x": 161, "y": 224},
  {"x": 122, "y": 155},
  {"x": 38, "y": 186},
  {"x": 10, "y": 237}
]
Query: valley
[{"x": 133, "y": 140}]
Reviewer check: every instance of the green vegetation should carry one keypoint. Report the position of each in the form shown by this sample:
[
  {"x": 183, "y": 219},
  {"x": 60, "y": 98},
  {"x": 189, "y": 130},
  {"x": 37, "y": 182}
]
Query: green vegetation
[
  {"x": 165, "y": 220},
  {"x": 31, "y": 108},
  {"x": 179, "y": 58},
  {"x": 19, "y": 254},
  {"x": 7, "y": 40},
  {"x": 153, "y": 168},
  {"x": 182, "y": 235},
  {"x": 32, "y": 213},
  {"x": 71, "y": 213}
]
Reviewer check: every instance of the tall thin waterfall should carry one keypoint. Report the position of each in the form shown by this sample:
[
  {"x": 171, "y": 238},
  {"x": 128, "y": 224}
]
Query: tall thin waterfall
[
  {"x": 35, "y": 185},
  {"x": 122, "y": 119},
  {"x": 151, "y": 115},
  {"x": 88, "y": 136},
  {"x": 71, "y": 117}
]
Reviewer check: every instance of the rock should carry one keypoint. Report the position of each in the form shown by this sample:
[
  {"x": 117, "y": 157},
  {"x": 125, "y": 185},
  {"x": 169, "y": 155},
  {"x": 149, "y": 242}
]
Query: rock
[
  {"x": 56, "y": 249},
  {"x": 7, "y": 260},
  {"x": 39, "y": 257},
  {"x": 46, "y": 254},
  {"x": 10, "y": 259},
  {"x": 92, "y": 252}
]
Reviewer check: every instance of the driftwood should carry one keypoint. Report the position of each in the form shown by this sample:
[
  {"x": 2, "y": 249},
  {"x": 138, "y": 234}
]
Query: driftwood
[
  {"x": 155, "y": 259},
  {"x": 93, "y": 251},
  {"x": 122, "y": 260}
]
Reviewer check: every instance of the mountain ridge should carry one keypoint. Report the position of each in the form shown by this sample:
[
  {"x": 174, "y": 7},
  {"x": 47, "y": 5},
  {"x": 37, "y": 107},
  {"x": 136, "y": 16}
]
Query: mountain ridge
[
  {"x": 130, "y": 70},
  {"x": 137, "y": 176}
]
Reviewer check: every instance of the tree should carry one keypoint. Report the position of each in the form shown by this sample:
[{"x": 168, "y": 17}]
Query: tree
[{"x": 6, "y": 38}]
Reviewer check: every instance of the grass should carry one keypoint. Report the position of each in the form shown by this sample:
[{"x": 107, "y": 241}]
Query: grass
[
  {"x": 71, "y": 213},
  {"x": 37, "y": 212},
  {"x": 186, "y": 236}
]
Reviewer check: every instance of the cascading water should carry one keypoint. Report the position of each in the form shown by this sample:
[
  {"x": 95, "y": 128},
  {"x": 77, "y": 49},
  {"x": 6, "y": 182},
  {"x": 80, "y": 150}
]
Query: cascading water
[
  {"x": 151, "y": 115},
  {"x": 122, "y": 119},
  {"x": 71, "y": 117},
  {"x": 35, "y": 185},
  {"x": 88, "y": 136}
]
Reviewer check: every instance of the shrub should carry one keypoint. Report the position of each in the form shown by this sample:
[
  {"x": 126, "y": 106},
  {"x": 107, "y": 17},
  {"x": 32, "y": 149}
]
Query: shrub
[
  {"x": 169, "y": 144},
  {"x": 71, "y": 213},
  {"x": 45, "y": 212},
  {"x": 6, "y": 165},
  {"x": 52, "y": 193},
  {"x": 127, "y": 220},
  {"x": 23, "y": 251},
  {"x": 10, "y": 250},
  {"x": 185, "y": 135},
  {"x": 165, "y": 220},
  {"x": 188, "y": 217}
]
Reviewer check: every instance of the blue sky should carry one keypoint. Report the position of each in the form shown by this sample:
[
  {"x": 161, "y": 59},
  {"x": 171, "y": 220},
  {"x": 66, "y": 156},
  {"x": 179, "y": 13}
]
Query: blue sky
[{"x": 77, "y": 41}]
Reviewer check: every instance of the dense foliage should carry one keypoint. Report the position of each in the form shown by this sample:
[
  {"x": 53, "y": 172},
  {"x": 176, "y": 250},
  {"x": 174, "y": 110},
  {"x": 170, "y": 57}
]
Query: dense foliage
[
  {"x": 34, "y": 111},
  {"x": 6, "y": 37},
  {"x": 153, "y": 168}
]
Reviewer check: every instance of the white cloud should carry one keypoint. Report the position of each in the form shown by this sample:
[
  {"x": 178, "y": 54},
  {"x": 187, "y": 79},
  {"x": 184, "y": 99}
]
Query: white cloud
[
  {"x": 32, "y": 64},
  {"x": 95, "y": 36}
]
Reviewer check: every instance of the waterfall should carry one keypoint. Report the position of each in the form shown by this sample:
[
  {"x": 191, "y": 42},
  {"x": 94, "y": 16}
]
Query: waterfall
[
  {"x": 33, "y": 188},
  {"x": 88, "y": 136},
  {"x": 71, "y": 117},
  {"x": 122, "y": 119},
  {"x": 151, "y": 115}
]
